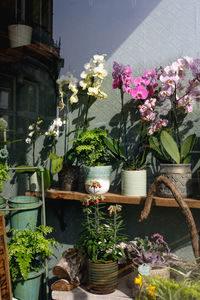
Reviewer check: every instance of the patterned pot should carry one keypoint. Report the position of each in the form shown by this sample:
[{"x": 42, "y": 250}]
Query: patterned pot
[
  {"x": 180, "y": 175},
  {"x": 103, "y": 277},
  {"x": 97, "y": 179}
]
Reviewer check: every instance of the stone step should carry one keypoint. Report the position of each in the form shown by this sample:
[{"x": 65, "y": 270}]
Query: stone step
[{"x": 123, "y": 292}]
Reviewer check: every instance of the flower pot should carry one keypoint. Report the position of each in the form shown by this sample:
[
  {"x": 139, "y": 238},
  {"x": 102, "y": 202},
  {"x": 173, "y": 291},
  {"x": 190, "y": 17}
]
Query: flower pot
[
  {"x": 103, "y": 277},
  {"x": 180, "y": 175},
  {"x": 162, "y": 272},
  {"x": 69, "y": 178},
  {"x": 97, "y": 179},
  {"x": 134, "y": 183},
  {"x": 28, "y": 289},
  {"x": 19, "y": 35},
  {"x": 25, "y": 218}
]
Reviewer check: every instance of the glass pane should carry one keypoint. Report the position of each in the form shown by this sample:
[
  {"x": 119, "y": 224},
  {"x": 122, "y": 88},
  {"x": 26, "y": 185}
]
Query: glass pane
[{"x": 4, "y": 99}]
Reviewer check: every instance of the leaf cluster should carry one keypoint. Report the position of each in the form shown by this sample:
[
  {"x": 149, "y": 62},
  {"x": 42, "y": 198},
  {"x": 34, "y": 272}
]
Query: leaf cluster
[
  {"x": 101, "y": 235},
  {"x": 167, "y": 150},
  {"x": 28, "y": 249},
  {"x": 91, "y": 148},
  {"x": 168, "y": 289}
]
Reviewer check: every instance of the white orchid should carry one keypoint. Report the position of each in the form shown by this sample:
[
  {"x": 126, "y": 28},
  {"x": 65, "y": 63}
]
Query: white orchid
[
  {"x": 93, "y": 91},
  {"x": 73, "y": 99},
  {"x": 99, "y": 58},
  {"x": 28, "y": 140},
  {"x": 71, "y": 83},
  {"x": 83, "y": 84},
  {"x": 100, "y": 71},
  {"x": 93, "y": 75},
  {"x": 54, "y": 129}
]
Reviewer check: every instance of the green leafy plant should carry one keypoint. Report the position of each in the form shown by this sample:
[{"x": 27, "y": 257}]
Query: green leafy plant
[
  {"x": 101, "y": 234},
  {"x": 91, "y": 148},
  {"x": 28, "y": 249},
  {"x": 168, "y": 289},
  {"x": 168, "y": 150}
]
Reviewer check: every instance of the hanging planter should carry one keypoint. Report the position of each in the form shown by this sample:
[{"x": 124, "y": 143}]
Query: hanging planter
[
  {"x": 19, "y": 35},
  {"x": 134, "y": 183}
]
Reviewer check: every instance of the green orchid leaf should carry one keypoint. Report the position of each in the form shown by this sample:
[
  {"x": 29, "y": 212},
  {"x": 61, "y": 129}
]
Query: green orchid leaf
[
  {"x": 114, "y": 146},
  {"x": 57, "y": 165},
  {"x": 187, "y": 145},
  {"x": 170, "y": 146},
  {"x": 47, "y": 178}
]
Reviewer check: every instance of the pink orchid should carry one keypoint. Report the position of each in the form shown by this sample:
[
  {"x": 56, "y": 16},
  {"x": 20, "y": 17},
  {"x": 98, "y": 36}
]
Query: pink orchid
[
  {"x": 157, "y": 125},
  {"x": 139, "y": 92}
]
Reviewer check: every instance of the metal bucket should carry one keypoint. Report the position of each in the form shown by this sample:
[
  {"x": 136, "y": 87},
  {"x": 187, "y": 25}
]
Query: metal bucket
[
  {"x": 26, "y": 218},
  {"x": 180, "y": 175},
  {"x": 28, "y": 289},
  {"x": 103, "y": 277}
]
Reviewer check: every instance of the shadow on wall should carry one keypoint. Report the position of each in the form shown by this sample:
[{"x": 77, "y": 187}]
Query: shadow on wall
[{"x": 102, "y": 26}]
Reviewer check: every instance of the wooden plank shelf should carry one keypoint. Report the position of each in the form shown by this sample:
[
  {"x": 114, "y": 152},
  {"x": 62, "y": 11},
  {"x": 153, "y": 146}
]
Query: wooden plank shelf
[{"x": 113, "y": 197}]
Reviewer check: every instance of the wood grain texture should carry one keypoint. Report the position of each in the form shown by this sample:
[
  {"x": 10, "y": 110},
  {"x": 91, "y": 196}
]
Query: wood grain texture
[{"x": 115, "y": 198}]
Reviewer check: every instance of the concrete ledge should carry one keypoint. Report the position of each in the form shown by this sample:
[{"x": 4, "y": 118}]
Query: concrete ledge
[{"x": 123, "y": 292}]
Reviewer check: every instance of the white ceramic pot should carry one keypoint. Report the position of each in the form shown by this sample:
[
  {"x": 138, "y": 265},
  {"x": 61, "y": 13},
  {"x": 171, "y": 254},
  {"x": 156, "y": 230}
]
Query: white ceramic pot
[
  {"x": 19, "y": 35},
  {"x": 134, "y": 183},
  {"x": 97, "y": 179}
]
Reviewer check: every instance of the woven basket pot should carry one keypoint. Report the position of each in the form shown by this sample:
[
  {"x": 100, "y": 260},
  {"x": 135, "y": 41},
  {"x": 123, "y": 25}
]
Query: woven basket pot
[
  {"x": 103, "y": 277},
  {"x": 180, "y": 175}
]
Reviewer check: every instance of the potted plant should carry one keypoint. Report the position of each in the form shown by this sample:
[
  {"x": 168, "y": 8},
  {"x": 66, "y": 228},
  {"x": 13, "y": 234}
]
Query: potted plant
[
  {"x": 99, "y": 240},
  {"x": 167, "y": 99},
  {"x": 95, "y": 158},
  {"x": 174, "y": 100},
  {"x": 27, "y": 251},
  {"x": 148, "y": 252},
  {"x": 65, "y": 166},
  {"x": 134, "y": 173},
  {"x": 34, "y": 171},
  {"x": 19, "y": 31},
  {"x": 91, "y": 79}
]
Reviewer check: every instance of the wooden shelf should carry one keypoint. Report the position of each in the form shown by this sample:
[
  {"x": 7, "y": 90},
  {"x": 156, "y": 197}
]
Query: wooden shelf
[{"x": 114, "y": 198}]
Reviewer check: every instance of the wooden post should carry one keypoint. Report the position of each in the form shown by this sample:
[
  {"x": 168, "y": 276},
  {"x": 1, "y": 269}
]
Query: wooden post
[{"x": 5, "y": 282}]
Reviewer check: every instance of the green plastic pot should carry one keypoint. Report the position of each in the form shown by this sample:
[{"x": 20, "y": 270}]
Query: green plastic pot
[
  {"x": 103, "y": 277},
  {"x": 26, "y": 218},
  {"x": 28, "y": 289}
]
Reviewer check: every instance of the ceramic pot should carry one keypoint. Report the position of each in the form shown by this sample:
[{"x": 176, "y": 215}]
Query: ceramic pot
[
  {"x": 180, "y": 175},
  {"x": 103, "y": 277},
  {"x": 134, "y": 183},
  {"x": 97, "y": 179}
]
